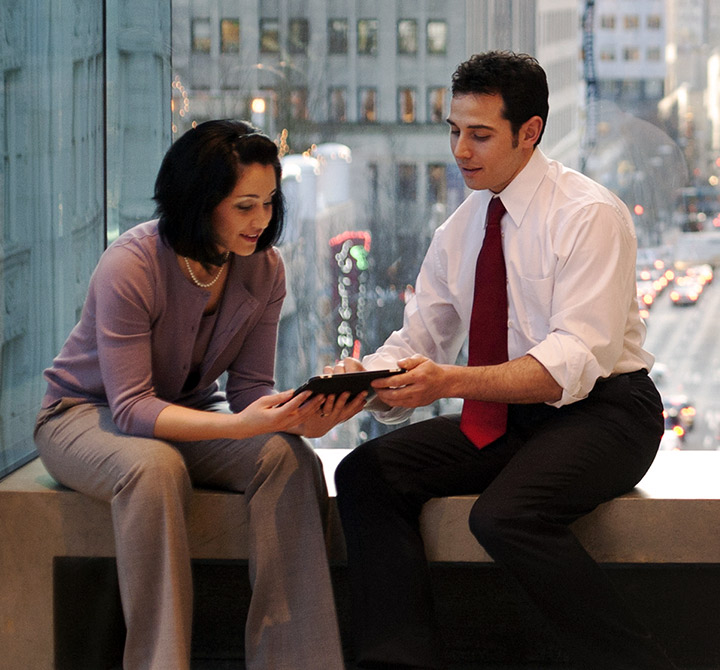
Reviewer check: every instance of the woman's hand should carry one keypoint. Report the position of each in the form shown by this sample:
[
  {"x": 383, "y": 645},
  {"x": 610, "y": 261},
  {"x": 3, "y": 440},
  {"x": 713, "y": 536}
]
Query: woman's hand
[
  {"x": 331, "y": 412},
  {"x": 280, "y": 412}
]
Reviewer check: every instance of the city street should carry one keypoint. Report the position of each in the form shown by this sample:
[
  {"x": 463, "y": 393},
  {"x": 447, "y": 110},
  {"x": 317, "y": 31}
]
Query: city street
[{"x": 686, "y": 343}]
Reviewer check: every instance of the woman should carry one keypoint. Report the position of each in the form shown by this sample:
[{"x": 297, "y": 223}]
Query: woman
[{"x": 134, "y": 414}]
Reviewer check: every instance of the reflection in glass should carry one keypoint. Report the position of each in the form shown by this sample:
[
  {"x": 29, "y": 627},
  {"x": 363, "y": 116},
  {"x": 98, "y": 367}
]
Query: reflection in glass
[
  {"x": 407, "y": 37},
  {"x": 368, "y": 104},
  {"x": 367, "y": 38},
  {"x": 406, "y": 105},
  {"x": 230, "y": 36},
  {"x": 437, "y": 32}
]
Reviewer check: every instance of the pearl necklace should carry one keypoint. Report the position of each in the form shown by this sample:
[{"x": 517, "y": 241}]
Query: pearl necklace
[{"x": 196, "y": 281}]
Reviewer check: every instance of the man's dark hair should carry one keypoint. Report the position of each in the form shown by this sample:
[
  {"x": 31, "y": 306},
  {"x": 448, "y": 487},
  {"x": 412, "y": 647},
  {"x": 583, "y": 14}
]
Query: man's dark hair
[
  {"x": 199, "y": 171},
  {"x": 517, "y": 78}
]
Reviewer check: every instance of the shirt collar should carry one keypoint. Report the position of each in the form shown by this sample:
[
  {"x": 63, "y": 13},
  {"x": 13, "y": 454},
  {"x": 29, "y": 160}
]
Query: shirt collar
[{"x": 516, "y": 196}]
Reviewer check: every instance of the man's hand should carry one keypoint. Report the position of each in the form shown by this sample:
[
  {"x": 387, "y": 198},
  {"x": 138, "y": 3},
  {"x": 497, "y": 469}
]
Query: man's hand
[
  {"x": 422, "y": 383},
  {"x": 348, "y": 364}
]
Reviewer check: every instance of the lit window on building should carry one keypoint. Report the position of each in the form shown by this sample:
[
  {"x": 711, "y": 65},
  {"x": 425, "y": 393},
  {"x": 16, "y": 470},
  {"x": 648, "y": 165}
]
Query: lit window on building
[
  {"x": 631, "y": 22},
  {"x": 298, "y": 36},
  {"x": 338, "y": 104},
  {"x": 230, "y": 36},
  {"x": 201, "y": 36},
  {"x": 269, "y": 36},
  {"x": 607, "y": 55},
  {"x": 406, "y": 105},
  {"x": 437, "y": 34},
  {"x": 407, "y": 37},
  {"x": 367, "y": 37},
  {"x": 368, "y": 104},
  {"x": 436, "y": 104},
  {"x": 337, "y": 36},
  {"x": 607, "y": 21}
]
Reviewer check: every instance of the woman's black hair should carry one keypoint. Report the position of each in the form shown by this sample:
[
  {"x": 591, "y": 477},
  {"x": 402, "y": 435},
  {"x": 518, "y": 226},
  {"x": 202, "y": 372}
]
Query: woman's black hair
[
  {"x": 516, "y": 77},
  {"x": 199, "y": 171}
]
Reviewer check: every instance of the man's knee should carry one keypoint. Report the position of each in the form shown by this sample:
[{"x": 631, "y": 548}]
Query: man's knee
[
  {"x": 494, "y": 523},
  {"x": 353, "y": 470}
]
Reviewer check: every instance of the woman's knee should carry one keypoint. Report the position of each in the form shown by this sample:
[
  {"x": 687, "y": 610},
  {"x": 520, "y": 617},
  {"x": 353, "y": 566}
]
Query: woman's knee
[
  {"x": 289, "y": 454},
  {"x": 159, "y": 470}
]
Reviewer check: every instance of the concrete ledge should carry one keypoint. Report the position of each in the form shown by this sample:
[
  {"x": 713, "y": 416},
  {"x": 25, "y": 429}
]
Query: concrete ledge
[{"x": 667, "y": 519}]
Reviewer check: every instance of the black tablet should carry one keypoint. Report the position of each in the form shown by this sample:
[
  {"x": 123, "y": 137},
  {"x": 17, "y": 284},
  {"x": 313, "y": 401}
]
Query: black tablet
[{"x": 354, "y": 382}]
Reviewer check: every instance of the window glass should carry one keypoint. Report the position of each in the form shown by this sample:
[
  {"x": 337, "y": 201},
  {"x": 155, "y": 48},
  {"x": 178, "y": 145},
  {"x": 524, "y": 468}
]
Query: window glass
[
  {"x": 406, "y": 182},
  {"x": 368, "y": 104},
  {"x": 298, "y": 36},
  {"x": 406, "y": 105},
  {"x": 407, "y": 37},
  {"x": 337, "y": 36},
  {"x": 631, "y": 21},
  {"x": 367, "y": 38},
  {"x": 338, "y": 104},
  {"x": 437, "y": 32},
  {"x": 269, "y": 36},
  {"x": 299, "y": 104},
  {"x": 230, "y": 36},
  {"x": 66, "y": 85},
  {"x": 201, "y": 35},
  {"x": 84, "y": 125},
  {"x": 436, "y": 104}
]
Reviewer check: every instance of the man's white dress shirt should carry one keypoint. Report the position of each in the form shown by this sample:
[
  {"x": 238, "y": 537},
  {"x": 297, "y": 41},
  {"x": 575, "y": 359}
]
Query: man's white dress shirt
[{"x": 570, "y": 251}]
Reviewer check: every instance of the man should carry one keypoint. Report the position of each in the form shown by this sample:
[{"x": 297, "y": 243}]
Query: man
[{"x": 558, "y": 417}]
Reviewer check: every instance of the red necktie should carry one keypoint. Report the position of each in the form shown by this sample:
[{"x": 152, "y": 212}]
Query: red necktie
[{"x": 482, "y": 422}]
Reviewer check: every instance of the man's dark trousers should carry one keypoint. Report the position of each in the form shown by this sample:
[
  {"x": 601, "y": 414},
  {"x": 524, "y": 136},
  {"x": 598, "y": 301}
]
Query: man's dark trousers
[{"x": 553, "y": 466}]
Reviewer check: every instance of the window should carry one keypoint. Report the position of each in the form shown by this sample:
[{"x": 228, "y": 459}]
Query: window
[
  {"x": 269, "y": 36},
  {"x": 230, "y": 36},
  {"x": 367, "y": 103},
  {"x": 406, "y": 182},
  {"x": 52, "y": 238},
  {"x": 338, "y": 104},
  {"x": 437, "y": 183},
  {"x": 631, "y": 54},
  {"x": 631, "y": 22},
  {"x": 436, "y": 104},
  {"x": 201, "y": 36},
  {"x": 406, "y": 105},
  {"x": 337, "y": 36},
  {"x": 654, "y": 21},
  {"x": 367, "y": 37},
  {"x": 298, "y": 36},
  {"x": 407, "y": 37},
  {"x": 437, "y": 32},
  {"x": 298, "y": 104}
]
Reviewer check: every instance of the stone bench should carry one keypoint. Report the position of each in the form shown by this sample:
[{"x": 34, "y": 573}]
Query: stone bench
[{"x": 670, "y": 518}]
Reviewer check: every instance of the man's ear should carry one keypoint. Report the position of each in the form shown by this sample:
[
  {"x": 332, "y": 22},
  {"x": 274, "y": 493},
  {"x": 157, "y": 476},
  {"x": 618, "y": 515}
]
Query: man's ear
[{"x": 531, "y": 130}]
